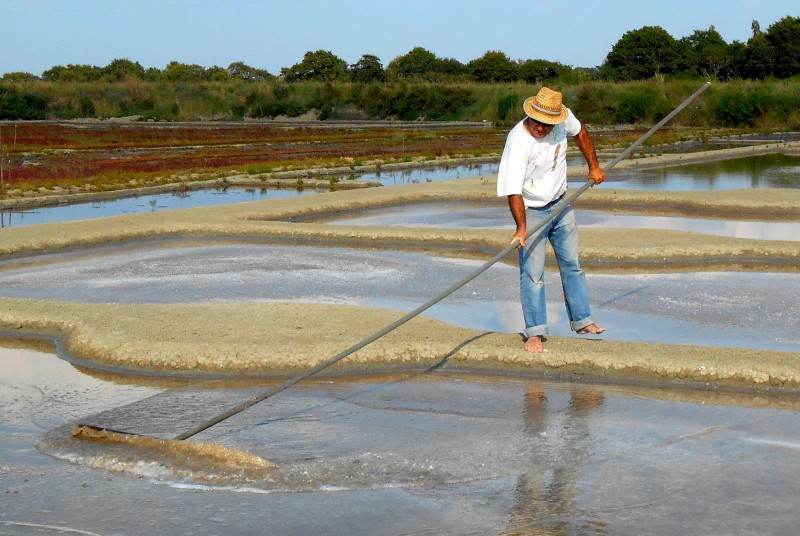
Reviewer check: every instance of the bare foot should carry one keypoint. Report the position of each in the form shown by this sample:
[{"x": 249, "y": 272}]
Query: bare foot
[
  {"x": 535, "y": 344},
  {"x": 592, "y": 329}
]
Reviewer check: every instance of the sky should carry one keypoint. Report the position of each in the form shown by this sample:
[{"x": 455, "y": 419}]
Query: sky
[{"x": 272, "y": 34}]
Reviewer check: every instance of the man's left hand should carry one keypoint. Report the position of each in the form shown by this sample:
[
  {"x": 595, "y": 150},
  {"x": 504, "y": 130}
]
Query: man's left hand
[{"x": 597, "y": 175}]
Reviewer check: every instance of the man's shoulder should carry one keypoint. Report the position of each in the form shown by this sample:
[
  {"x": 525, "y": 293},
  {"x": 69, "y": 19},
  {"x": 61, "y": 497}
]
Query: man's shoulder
[
  {"x": 518, "y": 132},
  {"x": 517, "y": 127},
  {"x": 572, "y": 125}
]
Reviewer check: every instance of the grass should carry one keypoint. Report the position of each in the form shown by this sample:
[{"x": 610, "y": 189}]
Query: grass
[
  {"x": 104, "y": 156},
  {"x": 107, "y": 156}
]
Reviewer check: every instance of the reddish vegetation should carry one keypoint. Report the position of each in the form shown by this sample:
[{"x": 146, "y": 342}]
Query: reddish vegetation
[{"x": 48, "y": 154}]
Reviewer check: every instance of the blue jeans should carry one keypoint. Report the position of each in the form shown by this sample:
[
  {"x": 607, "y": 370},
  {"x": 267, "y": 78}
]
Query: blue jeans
[{"x": 562, "y": 232}]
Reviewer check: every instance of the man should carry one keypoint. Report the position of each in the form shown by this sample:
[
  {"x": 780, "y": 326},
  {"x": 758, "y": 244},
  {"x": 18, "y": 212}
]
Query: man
[{"x": 533, "y": 175}]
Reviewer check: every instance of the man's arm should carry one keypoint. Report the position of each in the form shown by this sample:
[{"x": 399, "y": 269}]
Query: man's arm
[
  {"x": 584, "y": 142},
  {"x": 517, "y": 206}
]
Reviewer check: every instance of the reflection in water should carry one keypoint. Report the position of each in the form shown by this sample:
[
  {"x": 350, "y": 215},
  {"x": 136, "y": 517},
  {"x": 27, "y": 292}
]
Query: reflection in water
[
  {"x": 414, "y": 453},
  {"x": 765, "y": 171},
  {"x": 559, "y": 443}
]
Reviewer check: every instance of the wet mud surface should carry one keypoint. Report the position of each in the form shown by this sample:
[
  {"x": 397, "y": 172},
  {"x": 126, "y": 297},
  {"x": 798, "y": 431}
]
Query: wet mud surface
[{"x": 424, "y": 452}]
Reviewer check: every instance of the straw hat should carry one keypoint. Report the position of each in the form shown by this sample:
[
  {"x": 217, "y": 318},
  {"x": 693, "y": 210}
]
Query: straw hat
[{"x": 546, "y": 107}]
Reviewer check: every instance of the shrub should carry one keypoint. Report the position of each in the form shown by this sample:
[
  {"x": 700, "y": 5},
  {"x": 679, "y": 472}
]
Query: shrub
[
  {"x": 372, "y": 98},
  {"x": 641, "y": 104},
  {"x": 766, "y": 104},
  {"x": 260, "y": 105},
  {"x": 17, "y": 105},
  {"x": 739, "y": 106},
  {"x": 505, "y": 105},
  {"x": 86, "y": 106},
  {"x": 594, "y": 103},
  {"x": 423, "y": 101},
  {"x": 238, "y": 109}
]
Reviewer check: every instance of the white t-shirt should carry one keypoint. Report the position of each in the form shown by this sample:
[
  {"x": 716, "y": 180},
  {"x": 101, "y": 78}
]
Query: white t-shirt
[{"x": 536, "y": 168}]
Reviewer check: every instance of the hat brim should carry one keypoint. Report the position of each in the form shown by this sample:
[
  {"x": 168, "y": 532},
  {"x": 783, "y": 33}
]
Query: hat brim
[{"x": 542, "y": 117}]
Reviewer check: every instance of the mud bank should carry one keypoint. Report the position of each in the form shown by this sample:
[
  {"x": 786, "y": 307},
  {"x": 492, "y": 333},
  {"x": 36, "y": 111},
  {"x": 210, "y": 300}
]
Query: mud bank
[
  {"x": 270, "y": 221},
  {"x": 270, "y": 338},
  {"x": 235, "y": 339}
]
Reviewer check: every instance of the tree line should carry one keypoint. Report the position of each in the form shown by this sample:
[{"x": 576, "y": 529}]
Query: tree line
[
  {"x": 639, "y": 54},
  {"x": 645, "y": 75}
]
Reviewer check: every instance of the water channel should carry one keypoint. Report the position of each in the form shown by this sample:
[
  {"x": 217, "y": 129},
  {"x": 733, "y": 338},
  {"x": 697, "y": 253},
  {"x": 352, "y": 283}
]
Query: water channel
[
  {"x": 421, "y": 452},
  {"x": 769, "y": 171},
  {"x": 462, "y": 214}
]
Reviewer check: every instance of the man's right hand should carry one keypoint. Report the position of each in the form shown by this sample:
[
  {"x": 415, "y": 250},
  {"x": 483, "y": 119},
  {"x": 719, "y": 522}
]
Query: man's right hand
[
  {"x": 517, "y": 206},
  {"x": 519, "y": 237}
]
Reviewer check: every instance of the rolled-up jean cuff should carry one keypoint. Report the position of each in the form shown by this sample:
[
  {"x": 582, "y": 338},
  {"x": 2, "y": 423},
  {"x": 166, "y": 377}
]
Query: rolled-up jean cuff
[
  {"x": 580, "y": 324},
  {"x": 535, "y": 330}
]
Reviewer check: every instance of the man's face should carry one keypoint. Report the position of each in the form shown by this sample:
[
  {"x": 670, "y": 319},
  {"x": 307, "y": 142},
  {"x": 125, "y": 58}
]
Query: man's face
[{"x": 538, "y": 129}]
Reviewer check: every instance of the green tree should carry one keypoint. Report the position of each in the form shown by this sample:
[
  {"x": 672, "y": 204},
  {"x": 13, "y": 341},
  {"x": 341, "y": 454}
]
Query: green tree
[
  {"x": 450, "y": 68},
  {"x": 494, "y": 66},
  {"x": 182, "y": 72},
  {"x": 217, "y": 74},
  {"x": 784, "y": 38},
  {"x": 321, "y": 65},
  {"x": 537, "y": 71},
  {"x": 73, "y": 73},
  {"x": 153, "y": 74},
  {"x": 367, "y": 69},
  {"x": 641, "y": 54},
  {"x": 738, "y": 52},
  {"x": 706, "y": 54},
  {"x": 582, "y": 75},
  {"x": 242, "y": 71},
  {"x": 53, "y": 73},
  {"x": 757, "y": 59},
  {"x": 19, "y": 77},
  {"x": 119, "y": 69},
  {"x": 415, "y": 65}
]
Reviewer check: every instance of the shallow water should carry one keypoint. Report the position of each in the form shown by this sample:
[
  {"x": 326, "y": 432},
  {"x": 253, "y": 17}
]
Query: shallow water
[
  {"x": 412, "y": 453},
  {"x": 737, "y": 309},
  {"x": 766, "y": 171},
  {"x": 467, "y": 215},
  {"x": 144, "y": 203},
  {"x": 770, "y": 171}
]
